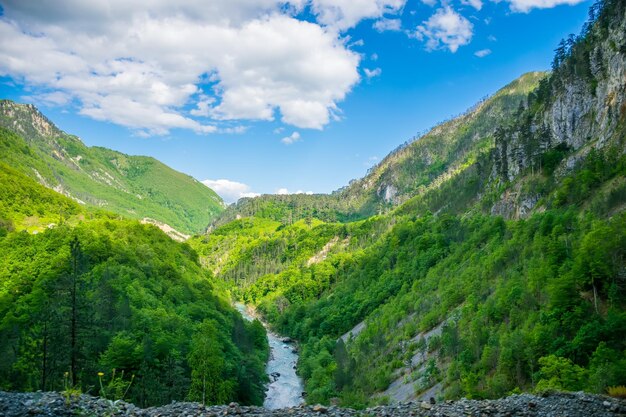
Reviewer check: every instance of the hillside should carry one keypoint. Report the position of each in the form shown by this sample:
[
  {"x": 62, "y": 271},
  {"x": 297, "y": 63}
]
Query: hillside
[
  {"x": 133, "y": 186},
  {"x": 497, "y": 263},
  {"x": 485, "y": 259},
  {"x": 94, "y": 303},
  {"x": 412, "y": 169}
]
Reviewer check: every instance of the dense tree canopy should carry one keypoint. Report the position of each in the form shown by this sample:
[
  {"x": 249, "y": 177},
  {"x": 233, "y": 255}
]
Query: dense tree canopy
[{"x": 117, "y": 297}]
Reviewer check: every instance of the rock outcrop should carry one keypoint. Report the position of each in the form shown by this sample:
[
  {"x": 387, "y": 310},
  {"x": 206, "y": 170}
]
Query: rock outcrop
[{"x": 582, "y": 103}]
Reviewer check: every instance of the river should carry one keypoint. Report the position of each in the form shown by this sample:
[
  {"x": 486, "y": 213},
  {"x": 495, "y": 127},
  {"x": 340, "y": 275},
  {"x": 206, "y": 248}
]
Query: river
[{"x": 285, "y": 388}]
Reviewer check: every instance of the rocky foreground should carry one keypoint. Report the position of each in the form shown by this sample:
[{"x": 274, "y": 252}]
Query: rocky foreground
[{"x": 550, "y": 405}]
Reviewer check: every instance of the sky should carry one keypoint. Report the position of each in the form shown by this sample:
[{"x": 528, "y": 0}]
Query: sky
[{"x": 269, "y": 96}]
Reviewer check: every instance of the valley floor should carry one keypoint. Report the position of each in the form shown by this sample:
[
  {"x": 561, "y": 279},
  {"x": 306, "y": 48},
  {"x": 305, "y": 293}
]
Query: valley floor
[{"x": 557, "y": 404}]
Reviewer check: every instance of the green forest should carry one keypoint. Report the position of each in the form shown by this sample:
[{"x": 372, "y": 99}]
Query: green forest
[
  {"x": 112, "y": 307},
  {"x": 443, "y": 292},
  {"x": 131, "y": 186},
  {"x": 496, "y": 266}
]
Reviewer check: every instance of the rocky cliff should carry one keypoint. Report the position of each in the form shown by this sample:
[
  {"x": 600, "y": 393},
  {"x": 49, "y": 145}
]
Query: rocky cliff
[{"x": 582, "y": 103}]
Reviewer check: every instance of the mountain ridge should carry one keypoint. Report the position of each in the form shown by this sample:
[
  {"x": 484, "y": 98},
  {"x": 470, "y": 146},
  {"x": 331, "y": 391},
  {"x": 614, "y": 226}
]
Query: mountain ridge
[
  {"x": 133, "y": 186},
  {"x": 502, "y": 272},
  {"x": 405, "y": 171}
]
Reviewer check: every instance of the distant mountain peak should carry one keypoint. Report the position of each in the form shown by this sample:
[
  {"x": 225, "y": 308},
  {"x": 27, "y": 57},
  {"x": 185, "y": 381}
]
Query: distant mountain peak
[
  {"x": 27, "y": 118},
  {"x": 134, "y": 186}
]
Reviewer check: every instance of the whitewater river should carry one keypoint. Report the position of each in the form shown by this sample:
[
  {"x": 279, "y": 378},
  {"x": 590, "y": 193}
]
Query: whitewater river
[{"x": 285, "y": 388}]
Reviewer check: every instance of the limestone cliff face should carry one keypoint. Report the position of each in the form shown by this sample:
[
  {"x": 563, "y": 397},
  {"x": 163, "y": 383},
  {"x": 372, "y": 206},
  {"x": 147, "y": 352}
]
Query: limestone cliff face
[
  {"x": 581, "y": 105},
  {"x": 581, "y": 113}
]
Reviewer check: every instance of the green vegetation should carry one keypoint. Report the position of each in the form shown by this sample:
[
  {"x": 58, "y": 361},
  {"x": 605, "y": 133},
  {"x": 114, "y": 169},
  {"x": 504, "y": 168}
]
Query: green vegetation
[
  {"x": 440, "y": 288},
  {"x": 530, "y": 304},
  {"x": 133, "y": 186},
  {"x": 24, "y": 204},
  {"x": 415, "y": 168},
  {"x": 113, "y": 307},
  {"x": 484, "y": 259}
]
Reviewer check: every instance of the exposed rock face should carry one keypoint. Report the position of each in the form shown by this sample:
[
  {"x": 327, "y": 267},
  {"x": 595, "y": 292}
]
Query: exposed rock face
[
  {"x": 26, "y": 119},
  {"x": 561, "y": 404},
  {"x": 582, "y": 109},
  {"x": 514, "y": 204},
  {"x": 387, "y": 192},
  {"x": 580, "y": 113}
]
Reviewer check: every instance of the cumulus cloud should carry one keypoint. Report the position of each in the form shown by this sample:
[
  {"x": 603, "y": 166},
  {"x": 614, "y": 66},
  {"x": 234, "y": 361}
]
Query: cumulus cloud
[
  {"x": 476, "y": 4},
  {"x": 371, "y": 73},
  {"x": 384, "y": 24},
  {"x": 445, "y": 29},
  {"x": 288, "y": 140},
  {"x": 230, "y": 191},
  {"x": 157, "y": 65},
  {"x": 57, "y": 98},
  {"x": 344, "y": 14},
  {"x": 371, "y": 161},
  {"x": 285, "y": 191},
  {"x": 482, "y": 53},
  {"x": 524, "y": 6}
]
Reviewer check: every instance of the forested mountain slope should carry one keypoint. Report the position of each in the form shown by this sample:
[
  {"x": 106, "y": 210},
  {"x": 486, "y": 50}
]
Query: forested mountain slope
[
  {"x": 88, "y": 293},
  {"x": 505, "y": 270},
  {"x": 133, "y": 186},
  {"x": 410, "y": 170}
]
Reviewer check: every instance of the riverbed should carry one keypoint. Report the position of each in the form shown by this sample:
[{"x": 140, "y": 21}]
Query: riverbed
[{"x": 285, "y": 387}]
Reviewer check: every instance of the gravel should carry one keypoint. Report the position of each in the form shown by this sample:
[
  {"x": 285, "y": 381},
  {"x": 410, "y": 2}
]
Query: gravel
[{"x": 550, "y": 405}]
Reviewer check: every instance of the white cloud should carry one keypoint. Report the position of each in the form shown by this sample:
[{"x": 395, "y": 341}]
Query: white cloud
[
  {"x": 157, "y": 65},
  {"x": 288, "y": 140},
  {"x": 57, "y": 98},
  {"x": 235, "y": 130},
  {"x": 284, "y": 191},
  {"x": 371, "y": 161},
  {"x": 431, "y": 3},
  {"x": 482, "y": 53},
  {"x": 374, "y": 57},
  {"x": 476, "y": 4},
  {"x": 445, "y": 29},
  {"x": 384, "y": 24},
  {"x": 230, "y": 191},
  {"x": 344, "y": 14},
  {"x": 524, "y": 6},
  {"x": 372, "y": 73}
]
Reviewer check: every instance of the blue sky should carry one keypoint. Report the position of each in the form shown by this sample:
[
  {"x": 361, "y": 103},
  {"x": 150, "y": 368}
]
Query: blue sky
[{"x": 268, "y": 96}]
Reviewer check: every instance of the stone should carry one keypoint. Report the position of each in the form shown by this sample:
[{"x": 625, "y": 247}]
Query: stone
[{"x": 425, "y": 405}]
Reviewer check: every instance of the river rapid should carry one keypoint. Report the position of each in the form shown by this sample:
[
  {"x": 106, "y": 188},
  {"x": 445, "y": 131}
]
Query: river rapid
[{"x": 285, "y": 388}]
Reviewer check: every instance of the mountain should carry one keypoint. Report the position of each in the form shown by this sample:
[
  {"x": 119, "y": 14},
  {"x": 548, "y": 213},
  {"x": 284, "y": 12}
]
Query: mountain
[
  {"x": 133, "y": 186},
  {"x": 485, "y": 258},
  {"x": 412, "y": 169},
  {"x": 113, "y": 307}
]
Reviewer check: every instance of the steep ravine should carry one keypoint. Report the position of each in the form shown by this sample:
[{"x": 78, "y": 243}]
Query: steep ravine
[{"x": 286, "y": 387}]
